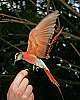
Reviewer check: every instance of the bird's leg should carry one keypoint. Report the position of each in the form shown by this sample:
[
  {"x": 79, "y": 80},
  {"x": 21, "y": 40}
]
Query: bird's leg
[{"x": 35, "y": 67}]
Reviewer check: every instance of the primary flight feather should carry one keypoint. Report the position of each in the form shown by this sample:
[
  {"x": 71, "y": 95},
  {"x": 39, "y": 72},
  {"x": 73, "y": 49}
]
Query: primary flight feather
[{"x": 39, "y": 36}]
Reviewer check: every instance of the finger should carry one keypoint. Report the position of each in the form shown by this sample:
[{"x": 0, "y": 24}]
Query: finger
[
  {"x": 19, "y": 78},
  {"x": 28, "y": 91},
  {"x": 31, "y": 97},
  {"x": 22, "y": 87}
]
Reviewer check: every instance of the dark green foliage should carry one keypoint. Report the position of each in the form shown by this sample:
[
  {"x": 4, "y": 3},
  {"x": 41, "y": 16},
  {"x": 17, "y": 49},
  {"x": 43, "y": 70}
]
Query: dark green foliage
[{"x": 64, "y": 62}]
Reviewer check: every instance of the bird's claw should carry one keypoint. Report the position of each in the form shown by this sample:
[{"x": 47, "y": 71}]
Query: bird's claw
[{"x": 35, "y": 68}]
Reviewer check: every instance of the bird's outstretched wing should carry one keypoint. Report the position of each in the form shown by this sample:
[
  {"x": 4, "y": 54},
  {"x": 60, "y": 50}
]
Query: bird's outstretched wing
[{"x": 39, "y": 36}]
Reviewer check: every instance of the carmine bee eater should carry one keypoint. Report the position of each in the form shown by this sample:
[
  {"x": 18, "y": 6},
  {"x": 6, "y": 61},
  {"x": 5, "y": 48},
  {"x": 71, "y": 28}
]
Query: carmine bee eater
[{"x": 38, "y": 44}]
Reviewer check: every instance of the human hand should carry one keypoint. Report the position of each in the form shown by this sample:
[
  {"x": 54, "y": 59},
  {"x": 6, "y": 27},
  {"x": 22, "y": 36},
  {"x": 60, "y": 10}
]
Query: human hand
[{"x": 20, "y": 88}]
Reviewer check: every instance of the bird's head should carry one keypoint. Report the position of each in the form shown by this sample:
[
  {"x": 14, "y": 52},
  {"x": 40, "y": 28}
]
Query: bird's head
[
  {"x": 18, "y": 56},
  {"x": 26, "y": 57}
]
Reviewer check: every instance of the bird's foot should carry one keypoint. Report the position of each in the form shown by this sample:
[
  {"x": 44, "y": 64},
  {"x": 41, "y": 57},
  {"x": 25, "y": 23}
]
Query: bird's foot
[{"x": 35, "y": 68}]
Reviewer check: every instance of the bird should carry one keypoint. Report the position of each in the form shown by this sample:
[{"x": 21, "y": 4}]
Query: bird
[{"x": 38, "y": 43}]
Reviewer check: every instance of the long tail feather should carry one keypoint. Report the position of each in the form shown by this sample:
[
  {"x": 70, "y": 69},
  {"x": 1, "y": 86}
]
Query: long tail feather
[
  {"x": 53, "y": 80},
  {"x": 55, "y": 37},
  {"x": 52, "y": 42}
]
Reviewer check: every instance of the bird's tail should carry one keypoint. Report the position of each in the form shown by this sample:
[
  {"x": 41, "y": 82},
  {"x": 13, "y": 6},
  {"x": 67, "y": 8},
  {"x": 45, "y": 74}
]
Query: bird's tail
[{"x": 53, "y": 80}]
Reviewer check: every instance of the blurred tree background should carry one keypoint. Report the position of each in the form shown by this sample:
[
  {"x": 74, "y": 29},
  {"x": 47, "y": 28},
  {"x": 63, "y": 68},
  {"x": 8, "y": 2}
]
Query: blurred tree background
[{"x": 17, "y": 18}]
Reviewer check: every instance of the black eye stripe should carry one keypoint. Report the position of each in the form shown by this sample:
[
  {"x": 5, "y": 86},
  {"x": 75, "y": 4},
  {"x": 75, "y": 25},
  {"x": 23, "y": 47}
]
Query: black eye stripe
[{"x": 17, "y": 54}]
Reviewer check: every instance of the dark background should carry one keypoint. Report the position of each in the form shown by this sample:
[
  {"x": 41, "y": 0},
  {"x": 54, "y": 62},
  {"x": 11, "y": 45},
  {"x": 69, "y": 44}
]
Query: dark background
[{"x": 17, "y": 18}]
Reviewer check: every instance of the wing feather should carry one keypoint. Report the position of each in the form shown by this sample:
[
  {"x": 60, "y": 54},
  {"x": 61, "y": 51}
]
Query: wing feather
[{"x": 39, "y": 36}]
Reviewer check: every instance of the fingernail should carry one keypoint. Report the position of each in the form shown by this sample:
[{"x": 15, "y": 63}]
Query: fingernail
[
  {"x": 24, "y": 72},
  {"x": 27, "y": 69}
]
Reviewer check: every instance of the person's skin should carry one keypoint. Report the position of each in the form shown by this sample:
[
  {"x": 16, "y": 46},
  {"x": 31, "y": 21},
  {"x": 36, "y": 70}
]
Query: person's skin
[{"x": 20, "y": 88}]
